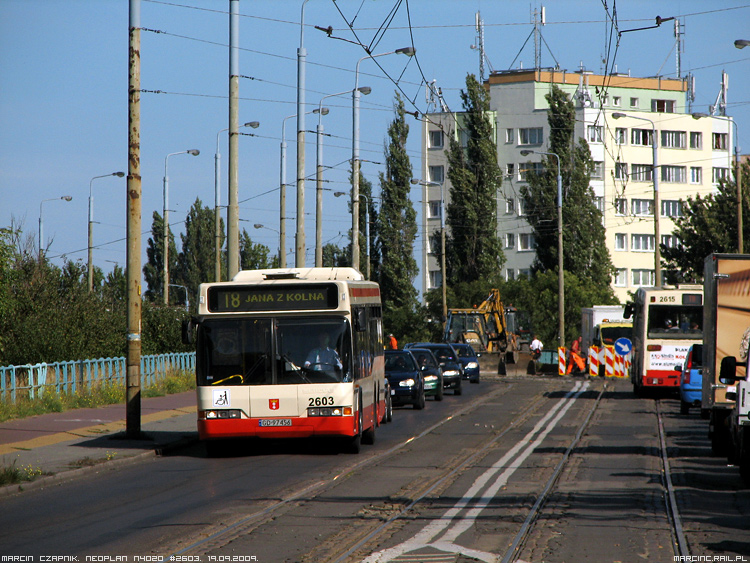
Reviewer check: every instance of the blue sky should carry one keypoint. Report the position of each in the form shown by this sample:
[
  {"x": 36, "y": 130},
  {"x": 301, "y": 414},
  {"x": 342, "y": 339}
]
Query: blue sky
[{"x": 64, "y": 75}]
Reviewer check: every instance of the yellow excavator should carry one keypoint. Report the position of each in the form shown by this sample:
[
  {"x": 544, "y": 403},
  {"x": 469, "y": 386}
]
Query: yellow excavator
[{"x": 491, "y": 329}]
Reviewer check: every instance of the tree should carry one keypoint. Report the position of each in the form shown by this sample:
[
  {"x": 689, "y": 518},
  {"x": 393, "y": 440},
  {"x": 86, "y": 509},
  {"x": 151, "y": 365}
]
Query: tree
[
  {"x": 473, "y": 249},
  {"x": 707, "y": 225},
  {"x": 397, "y": 231},
  {"x": 254, "y": 256},
  {"x": 196, "y": 260},
  {"x": 153, "y": 270},
  {"x": 335, "y": 256}
]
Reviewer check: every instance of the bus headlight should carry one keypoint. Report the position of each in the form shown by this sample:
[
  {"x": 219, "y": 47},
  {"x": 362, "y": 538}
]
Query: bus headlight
[
  {"x": 406, "y": 383},
  {"x": 220, "y": 413},
  {"x": 325, "y": 411}
]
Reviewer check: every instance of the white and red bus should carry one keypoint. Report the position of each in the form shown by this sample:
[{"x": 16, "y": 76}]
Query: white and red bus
[
  {"x": 290, "y": 353},
  {"x": 666, "y": 322}
]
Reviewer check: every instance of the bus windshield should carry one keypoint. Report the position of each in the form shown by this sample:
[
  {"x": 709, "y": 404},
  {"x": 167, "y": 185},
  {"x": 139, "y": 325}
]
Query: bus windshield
[
  {"x": 675, "y": 322},
  {"x": 272, "y": 351}
]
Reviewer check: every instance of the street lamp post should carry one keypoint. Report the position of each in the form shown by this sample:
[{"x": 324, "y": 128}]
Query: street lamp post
[
  {"x": 737, "y": 175},
  {"x": 367, "y": 230},
  {"x": 657, "y": 211},
  {"x": 41, "y": 221},
  {"x": 560, "y": 271},
  {"x": 91, "y": 227},
  {"x": 409, "y": 52},
  {"x": 299, "y": 256},
  {"x": 165, "y": 253},
  {"x": 260, "y": 226},
  {"x": 217, "y": 201},
  {"x": 321, "y": 111}
]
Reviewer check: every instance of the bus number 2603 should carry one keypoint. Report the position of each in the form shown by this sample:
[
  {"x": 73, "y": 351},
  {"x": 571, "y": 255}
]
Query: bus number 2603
[{"x": 321, "y": 402}]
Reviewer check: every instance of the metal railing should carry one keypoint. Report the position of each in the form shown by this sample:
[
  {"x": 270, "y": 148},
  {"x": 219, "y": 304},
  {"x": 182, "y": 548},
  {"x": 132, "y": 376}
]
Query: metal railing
[{"x": 31, "y": 380}]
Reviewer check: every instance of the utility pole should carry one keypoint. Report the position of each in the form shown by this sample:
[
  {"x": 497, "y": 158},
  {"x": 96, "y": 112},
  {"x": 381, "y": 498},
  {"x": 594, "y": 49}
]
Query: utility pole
[
  {"x": 133, "y": 360},
  {"x": 233, "y": 209}
]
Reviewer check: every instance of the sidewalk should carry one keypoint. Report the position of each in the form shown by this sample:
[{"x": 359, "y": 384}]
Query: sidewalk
[{"x": 80, "y": 439}]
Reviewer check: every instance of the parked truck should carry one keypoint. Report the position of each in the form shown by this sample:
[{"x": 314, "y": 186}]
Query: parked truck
[
  {"x": 602, "y": 326},
  {"x": 726, "y": 331}
]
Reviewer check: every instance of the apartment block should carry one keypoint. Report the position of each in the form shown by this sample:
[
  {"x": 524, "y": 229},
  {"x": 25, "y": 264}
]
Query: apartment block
[{"x": 620, "y": 117}]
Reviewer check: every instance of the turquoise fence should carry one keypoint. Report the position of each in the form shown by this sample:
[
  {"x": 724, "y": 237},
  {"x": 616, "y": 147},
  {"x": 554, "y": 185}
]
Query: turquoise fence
[{"x": 30, "y": 381}]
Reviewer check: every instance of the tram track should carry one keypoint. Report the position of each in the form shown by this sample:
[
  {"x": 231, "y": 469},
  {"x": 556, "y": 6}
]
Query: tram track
[{"x": 226, "y": 532}]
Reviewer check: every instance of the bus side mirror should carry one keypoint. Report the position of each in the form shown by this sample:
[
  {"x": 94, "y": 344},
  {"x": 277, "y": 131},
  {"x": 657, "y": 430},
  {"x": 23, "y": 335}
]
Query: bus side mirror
[
  {"x": 628, "y": 312},
  {"x": 728, "y": 370},
  {"x": 360, "y": 324},
  {"x": 188, "y": 330}
]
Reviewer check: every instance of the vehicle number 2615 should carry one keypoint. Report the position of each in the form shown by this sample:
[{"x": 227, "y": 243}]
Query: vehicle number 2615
[{"x": 321, "y": 402}]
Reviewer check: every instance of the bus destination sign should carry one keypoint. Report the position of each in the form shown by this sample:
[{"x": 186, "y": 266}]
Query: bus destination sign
[{"x": 256, "y": 298}]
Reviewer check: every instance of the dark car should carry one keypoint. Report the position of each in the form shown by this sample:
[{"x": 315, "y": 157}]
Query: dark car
[
  {"x": 405, "y": 378},
  {"x": 431, "y": 371},
  {"x": 449, "y": 363},
  {"x": 691, "y": 379},
  {"x": 470, "y": 361}
]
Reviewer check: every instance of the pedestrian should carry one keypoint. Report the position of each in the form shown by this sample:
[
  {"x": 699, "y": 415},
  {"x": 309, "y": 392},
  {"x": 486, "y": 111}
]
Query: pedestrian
[
  {"x": 575, "y": 357},
  {"x": 536, "y": 347},
  {"x": 391, "y": 342}
]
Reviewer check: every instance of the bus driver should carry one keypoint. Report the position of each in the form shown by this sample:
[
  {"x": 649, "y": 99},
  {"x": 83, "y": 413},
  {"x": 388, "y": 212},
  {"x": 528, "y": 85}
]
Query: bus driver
[{"x": 323, "y": 358}]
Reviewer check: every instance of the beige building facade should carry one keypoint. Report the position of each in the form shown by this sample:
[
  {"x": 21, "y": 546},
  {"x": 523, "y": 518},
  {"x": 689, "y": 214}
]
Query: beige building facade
[{"x": 619, "y": 116}]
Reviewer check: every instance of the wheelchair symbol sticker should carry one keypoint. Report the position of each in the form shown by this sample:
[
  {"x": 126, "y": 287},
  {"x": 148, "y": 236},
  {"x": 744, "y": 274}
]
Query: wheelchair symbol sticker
[{"x": 221, "y": 398}]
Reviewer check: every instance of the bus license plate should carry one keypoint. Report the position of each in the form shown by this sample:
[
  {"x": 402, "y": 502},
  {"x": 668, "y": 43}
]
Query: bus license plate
[{"x": 275, "y": 422}]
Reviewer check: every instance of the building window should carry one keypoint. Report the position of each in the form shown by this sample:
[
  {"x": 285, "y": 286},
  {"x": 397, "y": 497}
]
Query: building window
[
  {"x": 510, "y": 170},
  {"x": 510, "y": 206},
  {"x": 643, "y": 277},
  {"x": 621, "y": 170},
  {"x": 436, "y": 280},
  {"x": 530, "y": 168},
  {"x": 641, "y": 173},
  {"x": 719, "y": 141},
  {"x": 696, "y": 140},
  {"x": 670, "y": 241},
  {"x": 510, "y": 240},
  {"x": 522, "y": 207},
  {"x": 621, "y": 277},
  {"x": 642, "y": 243},
  {"x": 621, "y": 241},
  {"x": 673, "y": 174},
  {"x": 531, "y": 136},
  {"x": 662, "y": 106},
  {"x": 621, "y": 136},
  {"x": 510, "y": 274},
  {"x": 598, "y": 172},
  {"x": 594, "y": 133},
  {"x": 599, "y": 204},
  {"x": 526, "y": 242},
  {"x": 510, "y": 136},
  {"x": 463, "y": 138},
  {"x": 436, "y": 139},
  {"x": 641, "y": 137},
  {"x": 434, "y": 209},
  {"x": 633, "y": 102},
  {"x": 642, "y": 207},
  {"x": 718, "y": 174},
  {"x": 524, "y": 273},
  {"x": 671, "y": 208},
  {"x": 437, "y": 174},
  {"x": 621, "y": 206},
  {"x": 696, "y": 175},
  {"x": 673, "y": 139}
]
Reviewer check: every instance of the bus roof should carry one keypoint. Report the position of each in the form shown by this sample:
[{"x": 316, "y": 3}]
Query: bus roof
[{"x": 309, "y": 274}]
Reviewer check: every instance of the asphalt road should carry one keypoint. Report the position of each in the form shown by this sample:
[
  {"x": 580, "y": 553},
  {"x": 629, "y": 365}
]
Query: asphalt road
[{"x": 454, "y": 482}]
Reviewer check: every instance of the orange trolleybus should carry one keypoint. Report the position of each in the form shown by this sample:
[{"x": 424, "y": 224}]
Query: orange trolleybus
[{"x": 289, "y": 353}]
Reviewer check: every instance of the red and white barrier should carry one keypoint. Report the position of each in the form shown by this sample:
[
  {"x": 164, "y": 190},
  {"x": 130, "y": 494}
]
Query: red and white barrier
[
  {"x": 561, "y": 363},
  {"x": 593, "y": 361}
]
